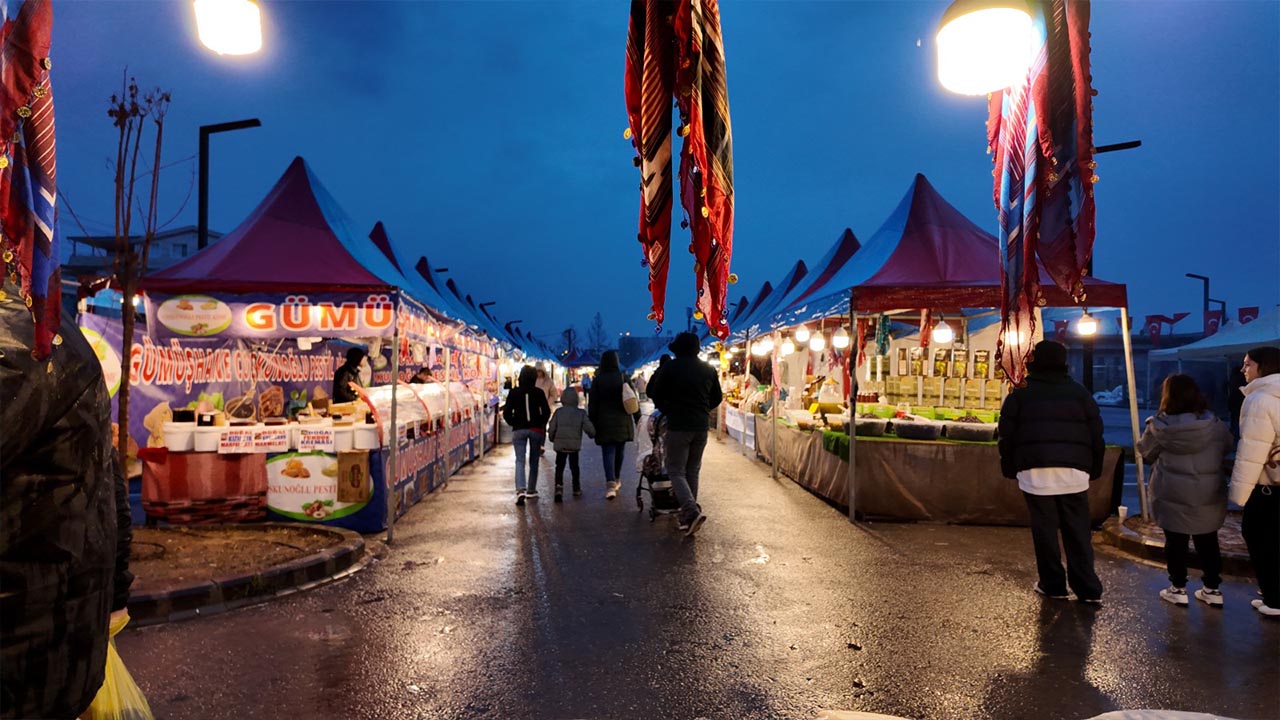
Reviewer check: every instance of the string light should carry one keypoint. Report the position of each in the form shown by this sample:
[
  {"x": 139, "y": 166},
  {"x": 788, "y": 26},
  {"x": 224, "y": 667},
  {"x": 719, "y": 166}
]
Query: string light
[
  {"x": 841, "y": 339},
  {"x": 802, "y": 334}
]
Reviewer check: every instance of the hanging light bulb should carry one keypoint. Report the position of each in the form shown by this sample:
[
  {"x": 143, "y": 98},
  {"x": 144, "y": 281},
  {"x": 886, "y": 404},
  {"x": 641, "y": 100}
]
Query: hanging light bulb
[
  {"x": 758, "y": 349},
  {"x": 229, "y": 27},
  {"x": 788, "y": 347},
  {"x": 942, "y": 333},
  {"x": 1013, "y": 337},
  {"x": 841, "y": 339},
  {"x": 817, "y": 343},
  {"x": 766, "y": 345},
  {"x": 802, "y": 334},
  {"x": 1087, "y": 325},
  {"x": 984, "y": 45}
]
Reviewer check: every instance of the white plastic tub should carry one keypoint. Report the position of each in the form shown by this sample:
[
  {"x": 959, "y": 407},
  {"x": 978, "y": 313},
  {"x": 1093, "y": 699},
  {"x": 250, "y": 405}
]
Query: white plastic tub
[
  {"x": 180, "y": 437},
  {"x": 365, "y": 437},
  {"x": 344, "y": 438},
  {"x": 207, "y": 438}
]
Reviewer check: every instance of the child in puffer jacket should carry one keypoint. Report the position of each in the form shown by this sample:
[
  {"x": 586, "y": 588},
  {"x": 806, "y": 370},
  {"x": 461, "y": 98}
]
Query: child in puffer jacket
[
  {"x": 565, "y": 434},
  {"x": 1186, "y": 445}
]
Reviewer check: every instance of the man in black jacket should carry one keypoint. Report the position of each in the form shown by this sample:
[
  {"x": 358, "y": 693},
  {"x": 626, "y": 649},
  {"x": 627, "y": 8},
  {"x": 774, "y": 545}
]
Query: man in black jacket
[
  {"x": 685, "y": 390},
  {"x": 347, "y": 374},
  {"x": 1051, "y": 442}
]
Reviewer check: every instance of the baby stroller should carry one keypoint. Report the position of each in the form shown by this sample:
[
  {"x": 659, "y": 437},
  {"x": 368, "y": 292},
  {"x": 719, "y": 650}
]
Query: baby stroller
[{"x": 652, "y": 468}]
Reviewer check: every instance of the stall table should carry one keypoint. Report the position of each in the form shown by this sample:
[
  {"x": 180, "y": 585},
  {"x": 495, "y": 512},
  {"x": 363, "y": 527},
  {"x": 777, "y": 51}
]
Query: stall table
[{"x": 938, "y": 480}]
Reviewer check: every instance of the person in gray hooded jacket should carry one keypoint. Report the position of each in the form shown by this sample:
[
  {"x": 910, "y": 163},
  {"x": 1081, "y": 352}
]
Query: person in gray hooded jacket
[
  {"x": 1186, "y": 445},
  {"x": 565, "y": 434}
]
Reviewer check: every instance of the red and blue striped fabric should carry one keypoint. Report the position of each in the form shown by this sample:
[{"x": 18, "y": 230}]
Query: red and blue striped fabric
[
  {"x": 1041, "y": 137},
  {"x": 28, "y": 181},
  {"x": 676, "y": 49}
]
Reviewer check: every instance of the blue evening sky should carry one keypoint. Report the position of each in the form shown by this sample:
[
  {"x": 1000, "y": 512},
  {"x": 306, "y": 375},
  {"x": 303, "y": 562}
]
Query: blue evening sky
[{"x": 488, "y": 136}]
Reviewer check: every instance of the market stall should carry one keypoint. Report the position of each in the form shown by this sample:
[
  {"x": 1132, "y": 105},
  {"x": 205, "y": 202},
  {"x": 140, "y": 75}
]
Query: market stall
[
  {"x": 931, "y": 399},
  {"x": 242, "y": 343}
]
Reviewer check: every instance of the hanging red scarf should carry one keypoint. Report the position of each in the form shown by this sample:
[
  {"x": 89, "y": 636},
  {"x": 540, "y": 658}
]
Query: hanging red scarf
[{"x": 676, "y": 49}]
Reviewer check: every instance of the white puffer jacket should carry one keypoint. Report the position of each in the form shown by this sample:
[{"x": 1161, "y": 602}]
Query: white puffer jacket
[{"x": 1258, "y": 455}]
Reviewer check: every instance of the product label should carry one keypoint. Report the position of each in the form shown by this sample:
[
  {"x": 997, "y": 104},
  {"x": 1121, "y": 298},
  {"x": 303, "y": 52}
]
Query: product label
[{"x": 313, "y": 439}]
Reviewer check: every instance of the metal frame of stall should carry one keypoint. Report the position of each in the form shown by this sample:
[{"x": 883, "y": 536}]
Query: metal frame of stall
[{"x": 1133, "y": 413}]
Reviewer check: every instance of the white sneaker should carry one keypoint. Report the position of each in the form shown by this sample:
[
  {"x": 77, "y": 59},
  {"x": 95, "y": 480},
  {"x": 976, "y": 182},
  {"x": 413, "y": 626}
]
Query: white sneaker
[
  {"x": 1262, "y": 607},
  {"x": 1174, "y": 594},
  {"x": 1040, "y": 591},
  {"x": 1209, "y": 596},
  {"x": 531, "y": 494},
  {"x": 695, "y": 525},
  {"x": 612, "y": 491}
]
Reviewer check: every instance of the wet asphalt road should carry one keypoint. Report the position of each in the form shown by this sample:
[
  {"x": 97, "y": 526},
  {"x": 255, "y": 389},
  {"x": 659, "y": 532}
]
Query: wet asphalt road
[{"x": 778, "y": 609}]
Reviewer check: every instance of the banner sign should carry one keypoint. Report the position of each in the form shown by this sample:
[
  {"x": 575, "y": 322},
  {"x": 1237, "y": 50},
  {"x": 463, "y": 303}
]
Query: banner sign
[
  {"x": 236, "y": 440},
  {"x": 315, "y": 439}
]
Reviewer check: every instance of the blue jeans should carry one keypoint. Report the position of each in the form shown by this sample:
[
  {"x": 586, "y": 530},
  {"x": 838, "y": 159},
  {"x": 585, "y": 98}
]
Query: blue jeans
[
  {"x": 612, "y": 453},
  {"x": 533, "y": 440},
  {"x": 684, "y": 464}
]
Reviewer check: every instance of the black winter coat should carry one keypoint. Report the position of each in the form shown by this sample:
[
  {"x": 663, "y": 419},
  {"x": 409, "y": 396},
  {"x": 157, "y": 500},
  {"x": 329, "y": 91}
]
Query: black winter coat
[
  {"x": 613, "y": 423},
  {"x": 58, "y": 515},
  {"x": 685, "y": 390},
  {"x": 342, "y": 392},
  {"x": 527, "y": 406},
  {"x": 1052, "y": 422}
]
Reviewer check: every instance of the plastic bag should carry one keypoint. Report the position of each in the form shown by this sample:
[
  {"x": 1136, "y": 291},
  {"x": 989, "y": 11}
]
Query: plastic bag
[
  {"x": 630, "y": 402},
  {"x": 119, "y": 697}
]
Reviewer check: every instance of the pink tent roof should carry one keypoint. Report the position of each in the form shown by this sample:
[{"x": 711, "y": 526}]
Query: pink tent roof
[
  {"x": 927, "y": 254},
  {"x": 296, "y": 240}
]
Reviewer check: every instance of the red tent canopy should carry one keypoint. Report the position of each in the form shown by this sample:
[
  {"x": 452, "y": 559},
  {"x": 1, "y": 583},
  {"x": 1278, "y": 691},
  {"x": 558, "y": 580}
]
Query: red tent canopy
[{"x": 296, "y": 240}]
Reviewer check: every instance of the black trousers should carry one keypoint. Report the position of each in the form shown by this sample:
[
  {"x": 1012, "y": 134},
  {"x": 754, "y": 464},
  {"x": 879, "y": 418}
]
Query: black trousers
[
  {"x": 1068, "y": 515},
  {"x": 1175, "y": 557},
  {"x": 572, "y": 459},
  {"x": 1260, "y": 526}
]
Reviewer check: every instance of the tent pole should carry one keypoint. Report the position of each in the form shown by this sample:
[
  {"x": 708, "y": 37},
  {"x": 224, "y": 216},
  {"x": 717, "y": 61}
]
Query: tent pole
[
  {"x": 746, "y": 387},
  {"x": 773, "y": 410},
  {"x": 448, "y": 417},
  {"x": 1133, "y": 411},
  {"x": 853, "y": 411},
  {"x": 393, "y": 468}
]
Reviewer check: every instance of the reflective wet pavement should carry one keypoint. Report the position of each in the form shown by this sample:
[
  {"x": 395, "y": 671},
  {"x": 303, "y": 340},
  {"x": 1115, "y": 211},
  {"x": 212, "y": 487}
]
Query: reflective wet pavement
[{"x": 777, "y": 609}]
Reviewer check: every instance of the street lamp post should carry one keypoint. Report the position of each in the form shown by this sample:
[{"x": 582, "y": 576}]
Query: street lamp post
[
  {"x": 1204, "y": 280},
  {"x": 202, "y": 238}
]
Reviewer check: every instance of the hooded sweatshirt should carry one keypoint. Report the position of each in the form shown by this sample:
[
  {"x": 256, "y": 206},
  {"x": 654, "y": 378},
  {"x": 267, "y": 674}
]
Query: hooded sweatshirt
[
  {"x": 1188, "y": 494},
  {"x": 568, "y": 424},
  {"x": 526, "y": 407},
  {"x": 1258, "y": 455}
]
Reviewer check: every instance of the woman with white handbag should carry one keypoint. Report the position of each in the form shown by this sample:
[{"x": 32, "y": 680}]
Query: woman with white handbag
[{"x": 614, "y": 414}]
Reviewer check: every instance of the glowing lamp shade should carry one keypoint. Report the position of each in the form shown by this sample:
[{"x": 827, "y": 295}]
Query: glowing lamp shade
[
  {"x": 758, "y": 349},
  {"x": 788, "y": 347},
  {"x": 229, "y": 27},
  {"x": 1087, "y": 325},
  {"x": 942, "y": 333},
  {"x": 841, "y": 339},
  {"x": 766, "y": 345},
  {"x": 802, "y": 334},
  {"x": 984, "y": 45},
  {"x": 1014, "y": 337},
  {"x": 817, "y": 343}
]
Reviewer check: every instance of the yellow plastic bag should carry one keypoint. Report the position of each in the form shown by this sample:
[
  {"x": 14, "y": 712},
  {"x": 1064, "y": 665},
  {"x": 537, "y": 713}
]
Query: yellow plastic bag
[{"x": 119, "y": 697}]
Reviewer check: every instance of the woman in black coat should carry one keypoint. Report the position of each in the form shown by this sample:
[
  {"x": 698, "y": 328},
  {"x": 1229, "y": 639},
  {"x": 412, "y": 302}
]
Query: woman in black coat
[{"x": 615, "y": 427}]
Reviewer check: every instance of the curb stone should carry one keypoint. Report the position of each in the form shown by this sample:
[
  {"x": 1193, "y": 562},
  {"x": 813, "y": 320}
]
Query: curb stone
[
  {"x": 228, "y": 593},
  {"x": 1117, "y": 535}
]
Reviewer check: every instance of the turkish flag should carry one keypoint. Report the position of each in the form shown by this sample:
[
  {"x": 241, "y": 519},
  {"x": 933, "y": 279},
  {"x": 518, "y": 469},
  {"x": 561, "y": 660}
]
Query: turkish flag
[
  {"x": 1247, "y": 314},
  {"x": 1212, "y": 320},
  {"x": 1155, "y": 323}
]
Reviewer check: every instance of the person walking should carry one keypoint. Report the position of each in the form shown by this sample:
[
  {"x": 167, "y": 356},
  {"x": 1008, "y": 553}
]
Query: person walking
[
  {"x": 615, "y": 427},
  {"x": 527, "y": 412},
  {"x": 1255, "y": 478},
  {"x": 1185, "y": 445},
  {"x": 548, "y": 387},
  {"x": 565, "y": 434},
  {"x": 1051, "y": 442},
  {"x": 685, "y": 390},
  {"x": 586, "y": 386}
]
